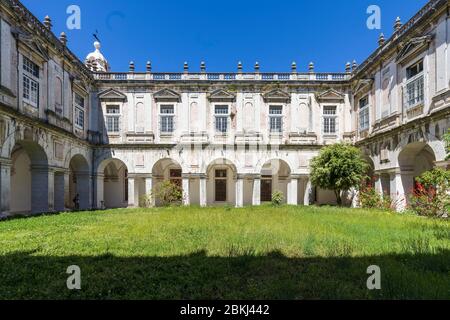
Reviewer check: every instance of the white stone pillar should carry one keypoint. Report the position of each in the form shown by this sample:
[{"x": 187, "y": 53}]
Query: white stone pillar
[
  {"x": 149, "y": 190},
  {"x": 203, "y": 201},
  {"x": 308, "y": 192},
  {"x": 99, "y": 191},
  {"x": 239, "y": 192},
  {"x": 355, "y": 197},
  {"x": 256, "y": 198},
  {"x": 292, "y": 190},
  {"x": 131, "y": 186},
  {"x": 397, "y": 191},
  {"x": 378, "y": 185},
  {"x": 5, "y": 187},
  {"x": 186, "y": 194}
]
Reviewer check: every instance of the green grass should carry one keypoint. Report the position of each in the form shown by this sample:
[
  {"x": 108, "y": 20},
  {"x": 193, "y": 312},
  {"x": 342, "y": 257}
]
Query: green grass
[{"x": 225, "y": 253}]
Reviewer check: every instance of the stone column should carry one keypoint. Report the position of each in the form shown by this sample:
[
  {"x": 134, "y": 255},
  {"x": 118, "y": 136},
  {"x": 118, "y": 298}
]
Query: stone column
[
  {"x": 67, "y": 200},
  {"x": 308, "y": 192},
  {"x": 41, "y": 189},
  {"x": 149, "y": 189},
  {"x": 131, "y": 186},
  {"x": 99, "y": 191},
  {"x": 397, "y": 190},
  {"x": 186, "y": 195},
  {"x": 239, "y": 191},
  {"x": 51, "y": 190},
  {"x": 203, "y": 200},
  {"x": 378, "y": 184},
  {"x": 5, "y": 187},
  {"x": 292, "y": 191},
  {"x": 355, "y": 197},
  {"x": 83, "y": 189},
  {"x": 59, "y": 191},
  {"x": 256, "y": 198}
]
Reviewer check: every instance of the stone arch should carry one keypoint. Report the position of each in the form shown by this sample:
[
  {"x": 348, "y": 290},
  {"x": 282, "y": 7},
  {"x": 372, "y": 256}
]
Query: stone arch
[
  {"x": 29, "y": 184},
  {"x": 221, "y": 175},
  {"x": 79, "y": 183},
  {"x": 414, "y": 159},
  {"x": 112, "y": 184},
  {"x": 275, "y": 175}
]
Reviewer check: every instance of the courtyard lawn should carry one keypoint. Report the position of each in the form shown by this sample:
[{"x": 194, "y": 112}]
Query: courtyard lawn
[{"x": 225, "y": 253}]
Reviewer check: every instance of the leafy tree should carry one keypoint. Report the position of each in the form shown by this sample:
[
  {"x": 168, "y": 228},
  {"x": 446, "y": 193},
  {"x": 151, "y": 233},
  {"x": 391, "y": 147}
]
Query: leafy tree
[{"x": 338, "y": 167}]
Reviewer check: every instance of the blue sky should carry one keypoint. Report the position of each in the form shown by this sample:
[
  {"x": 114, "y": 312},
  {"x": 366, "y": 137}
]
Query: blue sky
[{"x": 274, "y": 33}]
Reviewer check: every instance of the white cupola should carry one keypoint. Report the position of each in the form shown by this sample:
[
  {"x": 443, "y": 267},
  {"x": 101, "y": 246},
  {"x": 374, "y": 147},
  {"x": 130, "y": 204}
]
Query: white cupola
[{"x": 95, "y": 61}]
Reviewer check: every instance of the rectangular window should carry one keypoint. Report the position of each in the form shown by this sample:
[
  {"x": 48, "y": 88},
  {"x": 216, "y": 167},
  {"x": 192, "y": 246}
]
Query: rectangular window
[
  {"x": 79, "y": 111},
  {"x": 364, "y": 113},
  {"x": 167, "y": 113},
  {"x": 30, "y": 82},
  {"x": 276, "y": 119},
  {"x": 220, "y": 182},
  {"x": 113, "y": 119},
  {"x": 329, "y": 119},
  {"x": 414, "y": 91},
  {"x": 221, "y": 115},
  {"x": 414, "y": 70}
]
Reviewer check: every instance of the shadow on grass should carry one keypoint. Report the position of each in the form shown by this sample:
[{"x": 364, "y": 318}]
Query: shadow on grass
[{"x": 246, "y": 276}]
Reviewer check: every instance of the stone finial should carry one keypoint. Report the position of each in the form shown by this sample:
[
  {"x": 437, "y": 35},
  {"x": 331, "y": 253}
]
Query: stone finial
[
  {"x": 294, "y": 67},
  {"x": 398, "y": 24},
  {"x": 48, "y": 22},
  {"x": 311, "y": 67},
  {"x": 203, "y": 66},
  {"x": 132, "y": 67},
  {"x": 186, "y": 66},
  {"x": 63, "y": 38},
  {"x": 149, "y": 66},
  {"x": 256, "y": 66},
  {"x": 240, "y": 67},
  {"x": 348, "y": 67},
  {"x": 354, "y": 65},
  {"x": 381, "y": 40}
]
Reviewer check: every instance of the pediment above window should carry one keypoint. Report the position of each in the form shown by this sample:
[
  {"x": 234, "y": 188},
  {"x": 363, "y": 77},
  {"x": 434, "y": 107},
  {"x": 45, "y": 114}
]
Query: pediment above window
[
  {"x": 362, "y": 86},
  {"x": 167, "y": 95},
  {"x": 112, "y": 94},
  {"x": 277, "y": 95},
  {"x": 331, "y": 95},
  {"x": 413, "y": 46},
  {"x": 221, "y": 95},
  {"x": 32, "y": 42}
]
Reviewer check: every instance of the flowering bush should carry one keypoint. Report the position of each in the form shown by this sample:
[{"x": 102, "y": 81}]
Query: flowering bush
[
  {"x": 370, "y": 198},
  {"x": 431, "y": 194}
]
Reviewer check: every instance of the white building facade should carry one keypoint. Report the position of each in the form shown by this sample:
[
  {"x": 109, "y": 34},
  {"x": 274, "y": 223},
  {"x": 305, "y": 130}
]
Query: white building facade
[{"x": 71, "y": 128}]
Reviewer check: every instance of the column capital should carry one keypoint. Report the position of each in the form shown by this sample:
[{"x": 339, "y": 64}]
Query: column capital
[{"x": 296, "y": 176}]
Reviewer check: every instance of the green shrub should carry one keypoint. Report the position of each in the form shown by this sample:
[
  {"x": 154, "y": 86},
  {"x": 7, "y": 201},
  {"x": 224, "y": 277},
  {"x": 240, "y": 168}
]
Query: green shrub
[
  {"x": 277, "y": 198},
  {"x": 168, "y": 193}
]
